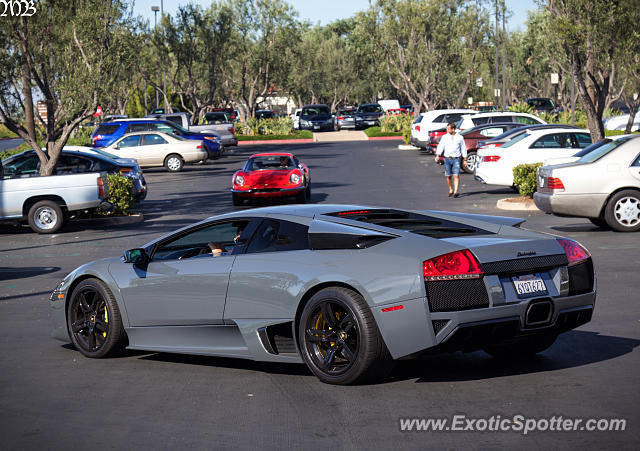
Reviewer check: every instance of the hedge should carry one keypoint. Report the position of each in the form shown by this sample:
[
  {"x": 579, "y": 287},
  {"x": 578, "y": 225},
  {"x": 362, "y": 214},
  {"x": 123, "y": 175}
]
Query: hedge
[
  {"x": 120, "y": 193},
  {"x": 374, "y": 132},
  {"x": 524, "y": 178}
]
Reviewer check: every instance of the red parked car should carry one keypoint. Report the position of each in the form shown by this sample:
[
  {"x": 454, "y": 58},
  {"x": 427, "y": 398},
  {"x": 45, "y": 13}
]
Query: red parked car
[{"x": 275, "y": 174}]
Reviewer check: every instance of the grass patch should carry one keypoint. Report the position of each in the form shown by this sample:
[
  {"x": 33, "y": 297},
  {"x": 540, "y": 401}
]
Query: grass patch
[
  {"x": 300, "y": 134},
  {"x": 374, "y": 132},
  {"x": 616, "y": 132},
  {"x": 6, "y": 133}
]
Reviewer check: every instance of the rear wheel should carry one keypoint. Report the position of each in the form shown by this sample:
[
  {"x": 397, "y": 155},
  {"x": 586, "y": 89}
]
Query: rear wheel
[
  {"x": 93, "y": 320},
  {"x": 45, "y": 217},
  {"x": 522, "y": 348},
  {"x": 339, "y": 339},
  {"x": 472, "y": 161},
  {"x": 622, "y": 212},
  {"x": 173, "y": 163}
]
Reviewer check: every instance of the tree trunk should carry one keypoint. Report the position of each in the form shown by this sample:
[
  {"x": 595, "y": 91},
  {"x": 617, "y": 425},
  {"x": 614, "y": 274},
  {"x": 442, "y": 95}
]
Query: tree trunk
[{"x": 633, "y": 110}]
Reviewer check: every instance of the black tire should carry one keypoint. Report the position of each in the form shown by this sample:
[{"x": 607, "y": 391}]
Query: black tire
[
  {"x": 471, "y": 163},
  {"x": 358, "y": 353},
  {"x": 45, "y": 217},
  {"x": 302, "y": 197},
  {"x": 173, "y": 163},
  {"x": 622, "y": 212},
  {"x": 237, "y": 200},
  {"x": 526, "y": 347},
  {"x": 599, "y": 222},
  {"x": 93, "y": 320}
]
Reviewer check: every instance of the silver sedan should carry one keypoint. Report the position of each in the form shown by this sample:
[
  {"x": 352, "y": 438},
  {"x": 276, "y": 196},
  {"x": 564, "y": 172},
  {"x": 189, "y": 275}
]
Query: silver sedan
[{"x": 603, "y": 185}]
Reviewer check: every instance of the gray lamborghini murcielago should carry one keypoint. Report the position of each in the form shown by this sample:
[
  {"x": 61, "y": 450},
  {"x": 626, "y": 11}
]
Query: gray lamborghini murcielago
[{"x": 346, "y": 289}]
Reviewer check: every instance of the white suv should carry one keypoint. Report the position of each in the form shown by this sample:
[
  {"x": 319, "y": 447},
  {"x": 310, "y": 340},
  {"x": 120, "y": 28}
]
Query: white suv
[
  {"x": 433, "y": 120},
  {"x": 473, "y": 120}
]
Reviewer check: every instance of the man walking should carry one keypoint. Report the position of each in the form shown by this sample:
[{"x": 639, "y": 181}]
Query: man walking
[{"x": 452, "y": 147}]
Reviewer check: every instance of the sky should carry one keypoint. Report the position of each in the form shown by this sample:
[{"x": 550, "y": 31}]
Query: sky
[{"x": 325, "y": 11}]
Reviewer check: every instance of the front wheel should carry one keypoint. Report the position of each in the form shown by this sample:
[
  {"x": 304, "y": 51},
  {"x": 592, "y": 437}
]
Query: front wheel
[
  {"x": 237, "y": 200},
  {"x": 339, "y": 339},
  {"x": 622, "y": 212},
  {"x": 173, "y": 163},
  {"x": 93, "y": 320},
  {"x": 45, "y": 217}
]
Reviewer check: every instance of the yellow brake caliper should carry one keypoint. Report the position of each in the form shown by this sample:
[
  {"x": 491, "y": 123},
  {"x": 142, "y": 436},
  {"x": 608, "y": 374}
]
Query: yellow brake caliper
[{"x": 106, "y": 320}]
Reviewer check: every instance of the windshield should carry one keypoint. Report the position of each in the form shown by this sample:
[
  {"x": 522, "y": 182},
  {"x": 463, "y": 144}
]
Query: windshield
[
  {"x": 370, "y": 109},
  {"x": 176, "y": 127},
  {"x": 270, "y": 162},
  {"x": 600, "y": 151},
  {"x": 316, "y": 110},
  {"x": 103, "y": 153},
  {"x": 516, "y": 140}
]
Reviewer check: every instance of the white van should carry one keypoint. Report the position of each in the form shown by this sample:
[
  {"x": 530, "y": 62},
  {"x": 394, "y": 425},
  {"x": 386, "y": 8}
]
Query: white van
[{"x": 393, "y": 104}]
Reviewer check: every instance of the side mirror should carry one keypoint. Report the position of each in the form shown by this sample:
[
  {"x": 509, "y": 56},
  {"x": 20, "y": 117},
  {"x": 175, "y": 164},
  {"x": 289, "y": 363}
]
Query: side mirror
[{"x": 135, "y": 256}]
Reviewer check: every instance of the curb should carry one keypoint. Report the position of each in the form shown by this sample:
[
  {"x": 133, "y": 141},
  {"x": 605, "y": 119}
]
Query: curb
[
  {"x": 276, "y": 141},
  {"x": 507, "y": 204},
  {"x": 112, "y": 220},
  {"x": 407, "y": 147},
  {"x": 383, "y": 138}
]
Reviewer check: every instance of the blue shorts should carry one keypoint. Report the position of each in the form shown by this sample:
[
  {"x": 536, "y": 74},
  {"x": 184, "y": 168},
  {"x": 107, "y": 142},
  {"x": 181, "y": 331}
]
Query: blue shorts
[{"x": 451, "y": 166}]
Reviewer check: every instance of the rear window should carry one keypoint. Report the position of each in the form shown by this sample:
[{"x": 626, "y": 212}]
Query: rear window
[
  {"x": 370, "y": 109},
  {"x": 316, "y": 110},
  {"x": 412, "y": 222},
  {"x": 107, "y": 129},
  {"x": 515, "y": 140},
  {"x": 601, "y": 151}
]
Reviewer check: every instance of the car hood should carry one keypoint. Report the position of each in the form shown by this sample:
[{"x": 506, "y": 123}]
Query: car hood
[{"x": 274, "y": 177}]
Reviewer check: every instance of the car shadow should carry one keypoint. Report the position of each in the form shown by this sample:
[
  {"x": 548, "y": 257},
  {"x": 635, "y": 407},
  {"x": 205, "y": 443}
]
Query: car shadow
[
  {"x": 294, "y": 369},
  {"x": 572, "y": 349},
  {"x": 25, "y": 272},
  {"x": 583, "y": 227}
]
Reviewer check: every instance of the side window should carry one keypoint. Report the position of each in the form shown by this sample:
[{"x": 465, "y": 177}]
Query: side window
[
  {"x": 221, "y": 236},
  {"x": 129, "y": 141},
  {"x": 492, "y": 132},
  {"x": 22, "y": 166},
  {"x": 554, "y": 140},
  {"x": 174, "y": 119},
  {"x": 133, "y": 128},
  {"x": 440, "y": 118},
  {"x": 481, "y": 120},
  {"x": 70, "y": 164},
  {"x": 275, "y": 236},
  {"x": 582, "y": 140},
  {"x": 525, "y": 120},
  {"x": 637, "y": 162},
  {"x": 151, "y": 140},
  {"x": 162, "y": 128},
  {"x": 454, "y": 117}
]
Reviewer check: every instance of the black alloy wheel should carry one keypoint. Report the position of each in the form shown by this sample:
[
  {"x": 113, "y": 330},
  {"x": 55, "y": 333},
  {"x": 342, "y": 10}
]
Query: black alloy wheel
[
  {"x": 339, "y": 339},
  {"x": 93, "y": 320}
]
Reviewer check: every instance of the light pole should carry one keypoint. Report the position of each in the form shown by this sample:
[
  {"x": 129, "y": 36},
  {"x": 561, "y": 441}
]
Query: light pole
[{"x": 155, "y": 10}]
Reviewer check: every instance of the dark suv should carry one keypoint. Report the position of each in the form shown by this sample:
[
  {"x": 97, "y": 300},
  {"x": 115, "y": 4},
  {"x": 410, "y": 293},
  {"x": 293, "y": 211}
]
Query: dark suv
[
  {"x": 368, "y": 115},
  {"x": 108, "y": 132},
  {"x": 316, "y": 117}
]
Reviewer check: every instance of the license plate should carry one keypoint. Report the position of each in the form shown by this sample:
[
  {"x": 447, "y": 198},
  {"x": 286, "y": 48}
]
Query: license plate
[
  {"x": 529, "y": 285},
  {"x": 316, "y": 127}
]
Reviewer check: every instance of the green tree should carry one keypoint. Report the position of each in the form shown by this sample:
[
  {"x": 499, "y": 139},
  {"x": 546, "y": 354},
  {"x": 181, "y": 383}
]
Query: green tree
[
  {"x": 590, "y": 32},
  {"x": 72, "y": 55}
]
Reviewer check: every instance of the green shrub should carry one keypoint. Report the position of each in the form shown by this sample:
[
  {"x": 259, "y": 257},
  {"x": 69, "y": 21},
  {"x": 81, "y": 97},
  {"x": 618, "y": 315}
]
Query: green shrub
[
  {"x": 521, "y": 107},
  {"x": 374, "y": 132},
  {"x": 298, "y": 134},
  {"x": 120, "y": 193},
  {"x": 8, "y": 153},
  {"x": 397, "y": 124},
  {"x": 524, "y": 178},
  {"x": 275, "y": 126}
]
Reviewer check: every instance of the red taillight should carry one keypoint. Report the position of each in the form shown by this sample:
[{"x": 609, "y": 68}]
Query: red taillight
[
  {"x": 574, "y": 251},
  {"x": 232, "y": 130},
  {"x": 125, "y": 171},
  {"x": 391, "y": 309},
  {"x": 452, "y": 266},
  {"x": 341, "y": 118},
  {"x": 490, "y": 158},
  {"x": 554, "y": 183},
  {"x": 101, "y": 191},
  {"x": 417, "y": 128},
  {"x": 354, "y": 212},
  {"x": 199, "y": 146},
  {"x": 94, "y": 139}
]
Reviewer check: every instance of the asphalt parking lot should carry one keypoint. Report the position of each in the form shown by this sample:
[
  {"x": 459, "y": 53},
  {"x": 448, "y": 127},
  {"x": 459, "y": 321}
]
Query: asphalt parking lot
[{"x": 52, "y": 397}]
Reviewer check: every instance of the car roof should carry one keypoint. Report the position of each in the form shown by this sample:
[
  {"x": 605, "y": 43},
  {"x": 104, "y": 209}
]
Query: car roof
[
  {"x": 272, "y": 154},
  {"x": 89, "y": 155},
  {"x": 541, "y": 131},
  {"x": 499, "y": 113},
  {"x": 315, "y": 104}
]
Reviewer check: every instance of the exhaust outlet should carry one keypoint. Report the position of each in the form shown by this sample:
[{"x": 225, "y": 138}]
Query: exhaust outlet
[{"x": 539, "y": 313}]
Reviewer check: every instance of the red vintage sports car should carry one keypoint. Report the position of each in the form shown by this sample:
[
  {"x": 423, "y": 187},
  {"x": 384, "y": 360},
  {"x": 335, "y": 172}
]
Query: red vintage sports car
[{"x": 275, "y": 174}]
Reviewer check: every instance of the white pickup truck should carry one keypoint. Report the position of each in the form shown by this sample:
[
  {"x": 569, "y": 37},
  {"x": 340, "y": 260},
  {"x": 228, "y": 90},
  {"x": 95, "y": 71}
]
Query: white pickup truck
[{"x": 46, "y": 202}]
